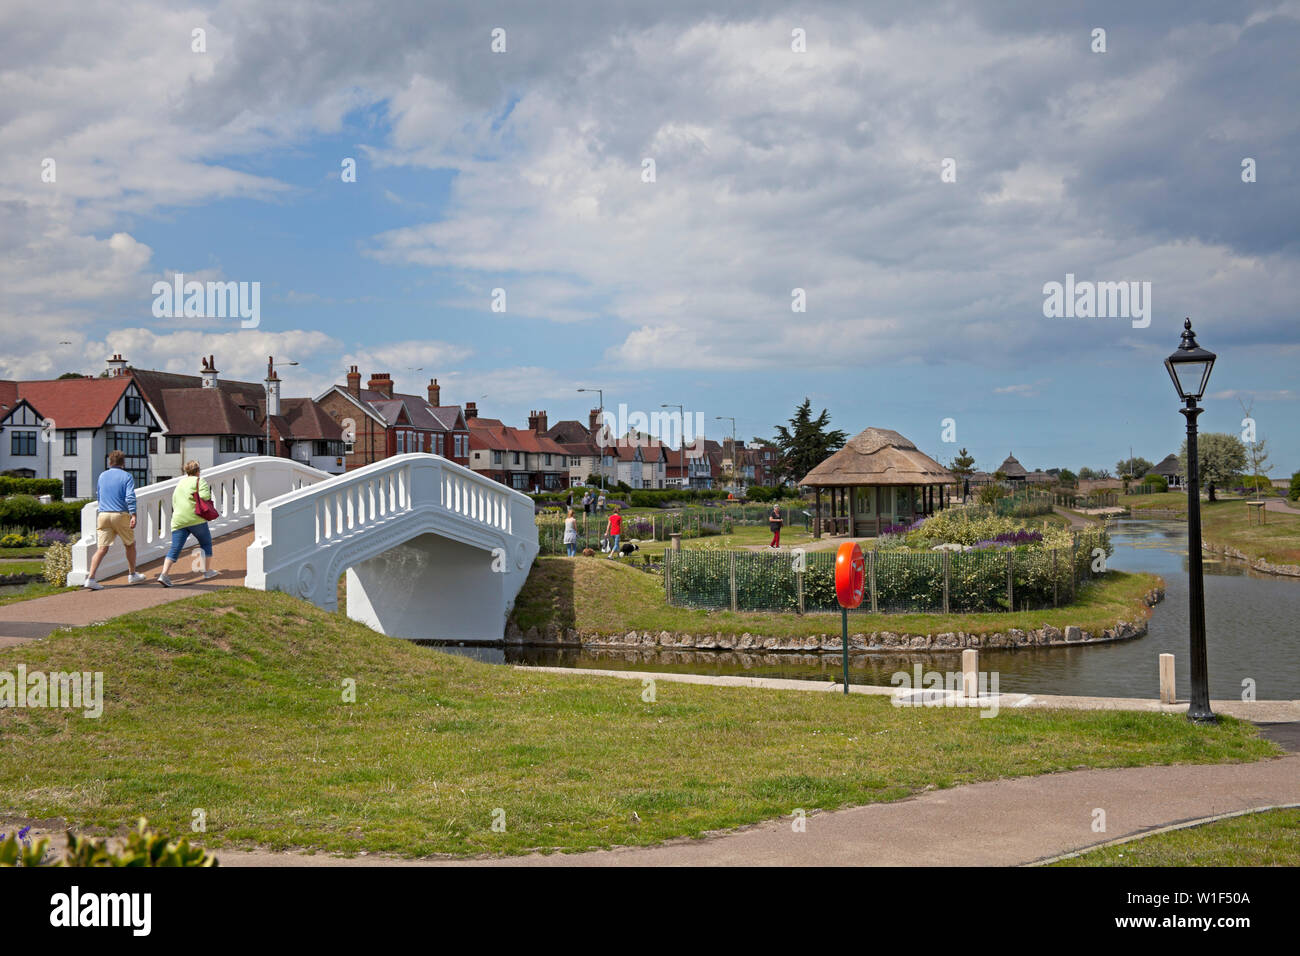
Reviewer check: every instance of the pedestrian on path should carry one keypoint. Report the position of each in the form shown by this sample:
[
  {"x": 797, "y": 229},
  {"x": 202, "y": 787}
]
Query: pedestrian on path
[
  {"x": 571, "y": 534},
  {"x": 187, "y": 520},
  {"x": 600, "y": 503},
  {"x": 614, "y": 531},
  {"x": 115, "y": 491},
  {"x": 586, "y": 503},
  {"x": 774, "y": 522}
]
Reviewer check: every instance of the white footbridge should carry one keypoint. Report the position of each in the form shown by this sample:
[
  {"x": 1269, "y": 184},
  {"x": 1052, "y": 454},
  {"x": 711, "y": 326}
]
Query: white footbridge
[{"x": 431, "y": 549}]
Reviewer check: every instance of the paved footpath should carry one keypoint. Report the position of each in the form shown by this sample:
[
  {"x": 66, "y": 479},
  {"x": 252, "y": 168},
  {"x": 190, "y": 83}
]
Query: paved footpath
[{"x": 25, "y": 621}]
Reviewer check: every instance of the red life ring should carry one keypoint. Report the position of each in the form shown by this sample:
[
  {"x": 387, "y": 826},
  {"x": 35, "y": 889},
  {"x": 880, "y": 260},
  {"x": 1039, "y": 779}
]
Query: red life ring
[{"x": 850, "y": 575}]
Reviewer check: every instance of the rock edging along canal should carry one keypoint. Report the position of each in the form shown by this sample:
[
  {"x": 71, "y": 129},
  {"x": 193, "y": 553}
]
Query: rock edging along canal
[{"x": 1046, "y": 636}]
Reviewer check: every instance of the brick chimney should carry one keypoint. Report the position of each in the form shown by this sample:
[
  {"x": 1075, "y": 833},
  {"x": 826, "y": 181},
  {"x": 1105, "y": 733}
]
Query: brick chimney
[
  {"x": 533, "y": 420},
  {"x": 116, "y": 366},
  {"x": 471, "y": 411},
  {"x": 593, "y": 422},
  {"x": 354, "y": 382},
  {"x": 382, "y": 383},
  {"x": 541, "y": 422},
  {"x": 209, "y": 372},
  {"x": 435, "y": 393}
]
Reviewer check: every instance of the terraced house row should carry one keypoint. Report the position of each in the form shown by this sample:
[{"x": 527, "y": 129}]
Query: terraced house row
[{"x": 64, "y": 428}]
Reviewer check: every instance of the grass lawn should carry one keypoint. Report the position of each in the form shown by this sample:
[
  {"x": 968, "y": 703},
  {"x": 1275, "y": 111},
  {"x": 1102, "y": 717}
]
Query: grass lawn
[
  {"x": 34, "y": 589},
  {"x": 1271, "y": 838},
  {"x": 1167, "y": 500},
  {"x": 1277, "y": 540},
  {"x": 21, "y": 567},
  {"x": 599, "y": 594},
  {"x": 232, "y": 702},
  {"x": 22, "y": 553}
]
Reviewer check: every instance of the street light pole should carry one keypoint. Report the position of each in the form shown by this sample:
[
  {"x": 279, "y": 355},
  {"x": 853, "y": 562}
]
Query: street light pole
[
  {"x": 1190, "y": 368},
  {"x": 600, "y": 392},
  {"x": 681, "y": 437},
  {"x": 733, "y": 444}
]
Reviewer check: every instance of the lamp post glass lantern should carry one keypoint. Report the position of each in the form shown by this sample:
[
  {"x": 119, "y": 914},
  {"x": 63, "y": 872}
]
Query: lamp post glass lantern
[{"x": 1189, "y": 368}]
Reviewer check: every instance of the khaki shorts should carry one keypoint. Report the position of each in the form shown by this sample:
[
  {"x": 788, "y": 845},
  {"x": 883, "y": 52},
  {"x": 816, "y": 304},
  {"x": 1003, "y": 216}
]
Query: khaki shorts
[{"x": 112, "y": 525}]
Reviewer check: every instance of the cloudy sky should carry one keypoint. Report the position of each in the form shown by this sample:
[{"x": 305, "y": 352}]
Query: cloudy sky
[{"x": 776, "y": 169}]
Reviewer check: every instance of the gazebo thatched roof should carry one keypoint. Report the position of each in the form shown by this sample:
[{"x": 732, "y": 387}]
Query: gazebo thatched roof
[
  {"x": 1169, "y": 468},
  {"x": 878, "y": 456},
  {"x": 1012, "y": 468}
]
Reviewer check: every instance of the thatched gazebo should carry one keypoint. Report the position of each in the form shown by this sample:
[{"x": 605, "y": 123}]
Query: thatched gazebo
[
  {"x": 1013, "y": 469},
  {"x": 1170, "y": 470},
  {"x": 878, "y": 478}
]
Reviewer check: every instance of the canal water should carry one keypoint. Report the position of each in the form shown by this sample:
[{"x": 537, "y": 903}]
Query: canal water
[{"x": 1252, "y": 627}]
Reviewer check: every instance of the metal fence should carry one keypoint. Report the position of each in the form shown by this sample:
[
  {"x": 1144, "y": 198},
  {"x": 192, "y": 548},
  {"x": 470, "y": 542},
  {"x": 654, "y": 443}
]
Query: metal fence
[{"x": 897, "y": 581}]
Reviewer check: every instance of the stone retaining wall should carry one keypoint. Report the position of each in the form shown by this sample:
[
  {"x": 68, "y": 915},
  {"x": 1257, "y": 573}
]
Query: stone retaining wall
[
  {"x": 1046, "y": 636},
  {"x": 1256, "y": 564}
]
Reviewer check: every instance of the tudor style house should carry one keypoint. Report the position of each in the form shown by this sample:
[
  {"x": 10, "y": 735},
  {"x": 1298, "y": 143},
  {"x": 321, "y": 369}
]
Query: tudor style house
[
  {"x": 379, "y": 422},
  {"x": 65, "y": 429},
  {"x": 214, "y": 420}
]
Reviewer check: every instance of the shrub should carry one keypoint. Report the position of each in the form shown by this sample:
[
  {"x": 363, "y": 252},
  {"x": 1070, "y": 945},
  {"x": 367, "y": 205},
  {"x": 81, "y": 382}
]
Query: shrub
[
  {"x": 58, "y": 563},
  {"x": 143, "y": 847},
  {"x": 1294, "y": 493},
  {"x": 13, "y": 541},
  {"x": 26, "y": 512},
  {"x": 1156, "y": 482},
  {"x": 31, "y": 486}
]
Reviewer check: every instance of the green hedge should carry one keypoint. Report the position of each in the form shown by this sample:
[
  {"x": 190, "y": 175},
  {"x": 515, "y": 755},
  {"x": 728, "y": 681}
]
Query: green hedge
[
  {"x": 24, "y": 511},
  {"x": 31, "y": 486}
]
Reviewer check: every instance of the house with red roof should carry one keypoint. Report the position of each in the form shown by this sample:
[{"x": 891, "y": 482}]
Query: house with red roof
[
  {"x": 379, "y": 421},
  {"x": 212, "y": 420},
  {"x": 525, "y": 459},
  {"x": 65, "y": 429},
  {"x": 583, "y": 444}
]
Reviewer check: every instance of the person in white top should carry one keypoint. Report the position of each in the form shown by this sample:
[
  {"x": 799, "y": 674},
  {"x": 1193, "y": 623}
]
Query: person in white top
[{"x": 571, "y": 534}]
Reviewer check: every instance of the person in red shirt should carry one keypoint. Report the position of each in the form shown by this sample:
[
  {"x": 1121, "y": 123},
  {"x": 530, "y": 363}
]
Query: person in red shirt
[{"x": 614, "y": 530}]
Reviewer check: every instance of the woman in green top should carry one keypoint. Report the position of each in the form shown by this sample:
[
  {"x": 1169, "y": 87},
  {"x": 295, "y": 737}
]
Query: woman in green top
[{"x": 186, "y": 522}]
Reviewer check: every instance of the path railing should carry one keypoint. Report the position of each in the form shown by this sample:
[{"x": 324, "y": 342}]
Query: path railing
[{"x": 237, "y": 489}]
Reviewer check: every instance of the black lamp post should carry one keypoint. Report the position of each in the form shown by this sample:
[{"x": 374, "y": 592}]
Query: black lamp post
[{"x": 1190, "y": 368}]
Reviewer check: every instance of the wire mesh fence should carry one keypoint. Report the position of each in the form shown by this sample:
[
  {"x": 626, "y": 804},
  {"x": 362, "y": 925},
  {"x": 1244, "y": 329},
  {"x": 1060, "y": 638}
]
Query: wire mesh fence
[{"x": 993, "y": 579}]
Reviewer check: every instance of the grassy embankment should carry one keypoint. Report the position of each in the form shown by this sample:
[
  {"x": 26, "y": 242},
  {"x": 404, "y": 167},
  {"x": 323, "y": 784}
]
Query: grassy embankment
[
  {"x": 602, "y": 595},
  {"x": 1271, "y": 838},
  {"x": 232, "y": 702}
]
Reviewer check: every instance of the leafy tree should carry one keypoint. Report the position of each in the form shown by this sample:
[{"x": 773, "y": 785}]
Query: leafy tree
[
  {"x": 1092, "y": 474},
  {"x": 806, "y": 443},
  {"x": 71, "y": 375},
  {"x": 1134, "y": 467},
  {"x": 1220, "y": 458},
  {"x": 963, "y": 466},
  {"x": 1067, "y": 477},
  {"x": 1294, "y": 493}
]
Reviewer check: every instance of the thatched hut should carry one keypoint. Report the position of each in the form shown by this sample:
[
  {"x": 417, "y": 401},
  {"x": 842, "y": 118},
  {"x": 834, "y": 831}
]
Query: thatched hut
[
  {"x": 1171, "y": 470},
  {"x": 1013, "y": 469},
  {"x": 878, "y": 478}
]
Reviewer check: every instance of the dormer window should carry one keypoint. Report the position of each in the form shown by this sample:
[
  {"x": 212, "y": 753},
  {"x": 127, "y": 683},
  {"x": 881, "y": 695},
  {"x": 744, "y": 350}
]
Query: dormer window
[{"x": 133, "y": 408}]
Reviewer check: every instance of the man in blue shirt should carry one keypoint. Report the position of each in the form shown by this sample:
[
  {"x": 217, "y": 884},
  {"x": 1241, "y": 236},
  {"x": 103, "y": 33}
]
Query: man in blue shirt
[{"x": 116, "y": 493}]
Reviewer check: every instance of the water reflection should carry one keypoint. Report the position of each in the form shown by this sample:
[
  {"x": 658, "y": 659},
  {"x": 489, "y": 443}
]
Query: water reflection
[{"x": 1252, "y": 627}]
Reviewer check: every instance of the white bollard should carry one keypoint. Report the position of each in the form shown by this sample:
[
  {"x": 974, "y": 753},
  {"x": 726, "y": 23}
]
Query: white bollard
[
  {"x": 1167, "y": 694},
  {"x": 970, "y": 665}
]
